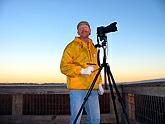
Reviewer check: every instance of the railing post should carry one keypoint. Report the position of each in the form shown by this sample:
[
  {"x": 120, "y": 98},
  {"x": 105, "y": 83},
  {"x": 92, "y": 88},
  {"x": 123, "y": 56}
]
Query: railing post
[
  {"x": 111, "y": 105},
  {"x": 17, "y": 103}
]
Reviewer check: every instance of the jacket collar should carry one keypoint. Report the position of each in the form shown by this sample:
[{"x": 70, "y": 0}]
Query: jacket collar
[{"x": 84, "y": 45}]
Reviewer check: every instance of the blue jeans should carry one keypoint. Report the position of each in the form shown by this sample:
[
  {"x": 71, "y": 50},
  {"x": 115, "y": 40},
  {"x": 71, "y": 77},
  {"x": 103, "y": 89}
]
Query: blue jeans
[{"x": 92, "y": 106}]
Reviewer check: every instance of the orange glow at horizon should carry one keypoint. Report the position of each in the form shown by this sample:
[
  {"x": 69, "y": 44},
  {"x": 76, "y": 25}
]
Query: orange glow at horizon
[
  {"x": 16, "y": 78},
  {"x": 28, "y": 72},
  {"x": 60, "y": 78}
]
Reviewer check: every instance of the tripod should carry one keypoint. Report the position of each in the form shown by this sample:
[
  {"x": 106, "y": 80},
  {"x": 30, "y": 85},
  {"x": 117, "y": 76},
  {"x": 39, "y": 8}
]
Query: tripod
[{"x": 112, "y": 86}]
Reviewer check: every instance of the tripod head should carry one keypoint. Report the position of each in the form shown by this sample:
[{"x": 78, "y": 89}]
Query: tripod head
[{"x": 102, "y": 31}]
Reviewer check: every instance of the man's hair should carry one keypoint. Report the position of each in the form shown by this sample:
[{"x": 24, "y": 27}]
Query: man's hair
[{"x": 83, "y": 22}]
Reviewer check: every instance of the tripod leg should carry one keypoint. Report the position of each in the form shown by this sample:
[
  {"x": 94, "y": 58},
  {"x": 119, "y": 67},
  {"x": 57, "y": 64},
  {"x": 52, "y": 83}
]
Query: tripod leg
[
  {"x": 88, "y": 94},
  {"x": 105, "y": 78},
  {"x": 113, "y": 97},
  {"x": 121, "y": 101}
]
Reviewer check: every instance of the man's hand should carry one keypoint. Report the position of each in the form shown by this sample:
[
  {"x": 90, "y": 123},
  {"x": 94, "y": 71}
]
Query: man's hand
[
  {"x": 100, "y": 90},
  {"x": 87, "y": 70}
]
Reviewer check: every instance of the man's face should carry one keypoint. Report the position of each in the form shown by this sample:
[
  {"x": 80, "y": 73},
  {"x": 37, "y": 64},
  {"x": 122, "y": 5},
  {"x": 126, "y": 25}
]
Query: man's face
[{"x": 84, "y": 31}]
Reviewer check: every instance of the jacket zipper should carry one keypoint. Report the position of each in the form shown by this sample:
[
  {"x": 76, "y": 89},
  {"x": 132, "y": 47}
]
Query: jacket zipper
[{"x": 90, "y": 55}]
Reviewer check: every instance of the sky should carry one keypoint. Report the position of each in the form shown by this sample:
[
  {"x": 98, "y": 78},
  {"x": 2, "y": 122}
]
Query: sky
[{"x": 34, "y": 33}]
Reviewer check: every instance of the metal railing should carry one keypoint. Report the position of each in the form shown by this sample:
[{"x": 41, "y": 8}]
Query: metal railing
[
  {"x": 45, "y": 103},
  {"x": 31, "y": 103},
  {"x": 5, "y": 104},
  {"x": 145, "y": 101}
]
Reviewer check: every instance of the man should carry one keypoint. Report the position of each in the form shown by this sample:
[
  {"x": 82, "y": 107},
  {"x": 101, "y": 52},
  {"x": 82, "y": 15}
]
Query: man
[{"x": 79, "y": 64}]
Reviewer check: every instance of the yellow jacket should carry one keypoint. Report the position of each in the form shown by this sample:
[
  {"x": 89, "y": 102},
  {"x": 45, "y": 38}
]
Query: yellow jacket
[{"x": 78, "y": 55}]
